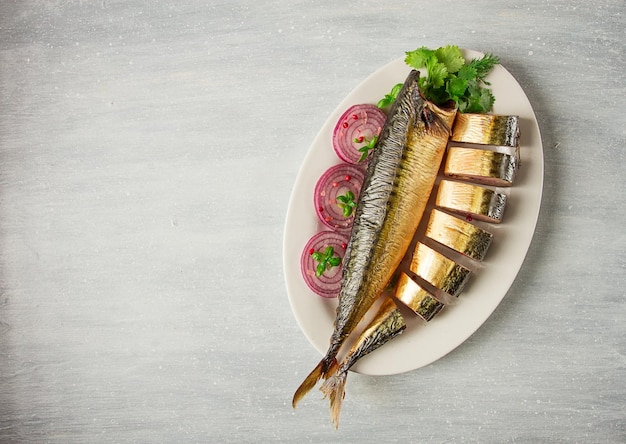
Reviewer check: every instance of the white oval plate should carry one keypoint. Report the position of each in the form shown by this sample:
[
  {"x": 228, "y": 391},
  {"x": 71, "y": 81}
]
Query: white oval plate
[{"x": 420, "y": 345}]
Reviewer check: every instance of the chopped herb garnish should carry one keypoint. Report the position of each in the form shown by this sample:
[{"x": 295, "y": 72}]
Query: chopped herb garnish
[
  {"x": 449, "y": 77},
  {"x": 365, "y": 149},
  {"x": 347, "y": 203},
  {"x": 390, "y": 97},
  {"x": 326, "y": 260}
]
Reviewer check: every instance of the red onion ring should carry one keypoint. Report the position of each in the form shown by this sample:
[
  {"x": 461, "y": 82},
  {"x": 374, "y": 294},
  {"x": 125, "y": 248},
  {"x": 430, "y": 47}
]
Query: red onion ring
[
  {"x": 329, "y": 283},
  {"x": 337, "y": 181},
  {"x": 361, "y": 123}
]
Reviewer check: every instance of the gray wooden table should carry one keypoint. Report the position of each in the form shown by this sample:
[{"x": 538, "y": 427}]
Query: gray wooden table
[{"x": 147, "y": 154}]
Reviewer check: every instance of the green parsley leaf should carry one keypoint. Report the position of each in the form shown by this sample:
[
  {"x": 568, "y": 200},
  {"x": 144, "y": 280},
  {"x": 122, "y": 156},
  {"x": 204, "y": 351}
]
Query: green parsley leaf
[
  {"x": 365, "y": 149},
  {"x": 320, "y": 269},
  {"x": 317, "y": 256},
  {"x": 385, "y": 101},
  {"x": 396, "y": 89},
  {"x": 417, "y": 59},
  {"x": 456, "y": 86},
  {"x": 437, "y": 73},
  {"x": 451, "y": 57},
  {"x": 334, "y": 261},
  {"x": 477, "y": 99},
  {"x": 486, "y": 99},
  {"x": 466, "y": 72},
  {"x": 437, "y": 95}
]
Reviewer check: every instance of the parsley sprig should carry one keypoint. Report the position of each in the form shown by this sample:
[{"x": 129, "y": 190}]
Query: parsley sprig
[{"x": 450, "y": 77}]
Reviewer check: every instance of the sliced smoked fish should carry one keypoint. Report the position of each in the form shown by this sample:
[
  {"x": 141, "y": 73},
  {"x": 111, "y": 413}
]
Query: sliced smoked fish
[
  {"x": 417, "y": 298},
  {"x": 458, "y": 234},
  {"x": 438, "y": 270},
  {"x": 481, "y": 166},
  {"x": 470, "y": 200},
  {"x": 486, "y": 129}
]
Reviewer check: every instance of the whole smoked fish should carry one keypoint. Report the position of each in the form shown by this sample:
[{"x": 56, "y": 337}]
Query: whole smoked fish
[{"x": 398, "y": 183}]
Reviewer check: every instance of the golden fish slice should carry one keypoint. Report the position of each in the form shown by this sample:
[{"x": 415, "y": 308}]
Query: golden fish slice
[
  {"x": 481, "y": 166},
  {"x": 418, "y": 299},
  {"x": 458, "y": 234},
  {"x": 486, "y": 129},
  {"x": 438, "y": 270},
  {"x": 471, "y": 200}
]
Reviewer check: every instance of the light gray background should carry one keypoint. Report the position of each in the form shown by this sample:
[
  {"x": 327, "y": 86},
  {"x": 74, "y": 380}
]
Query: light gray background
[{"x": 147, "y": 154}]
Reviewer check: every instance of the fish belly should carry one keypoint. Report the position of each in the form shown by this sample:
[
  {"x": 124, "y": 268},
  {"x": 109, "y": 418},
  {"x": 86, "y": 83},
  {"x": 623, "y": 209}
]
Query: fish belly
[{"x": 387, "y": 323}]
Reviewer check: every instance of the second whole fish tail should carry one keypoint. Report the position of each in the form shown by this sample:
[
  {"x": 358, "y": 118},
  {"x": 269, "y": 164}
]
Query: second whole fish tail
[
  {"x": 386, "y": 325},
  {"x": 326, "y": 367},
  {"x": 334, "y": 388}
]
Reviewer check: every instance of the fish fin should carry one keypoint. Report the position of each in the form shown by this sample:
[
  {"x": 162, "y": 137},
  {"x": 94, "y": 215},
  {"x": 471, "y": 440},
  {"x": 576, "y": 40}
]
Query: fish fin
[
  {"x": 434, "y": 124},
  {"x": 334, "y": 388},
  {"x": 322, "y": 370}
]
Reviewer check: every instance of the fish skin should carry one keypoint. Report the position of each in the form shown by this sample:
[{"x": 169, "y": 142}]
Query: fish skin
[{"x": 398, "y": 183}]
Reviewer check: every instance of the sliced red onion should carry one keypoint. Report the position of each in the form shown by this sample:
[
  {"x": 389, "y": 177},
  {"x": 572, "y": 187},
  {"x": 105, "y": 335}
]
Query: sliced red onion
[
  {"x": 328, "y": 283},
  {"x": 332, "y": 186},
  {"x": 358, "y": 125}
]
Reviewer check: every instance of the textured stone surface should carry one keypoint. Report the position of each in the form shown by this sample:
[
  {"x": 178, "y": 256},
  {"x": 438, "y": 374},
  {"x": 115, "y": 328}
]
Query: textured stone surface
[{"x": 147, "y": 154}]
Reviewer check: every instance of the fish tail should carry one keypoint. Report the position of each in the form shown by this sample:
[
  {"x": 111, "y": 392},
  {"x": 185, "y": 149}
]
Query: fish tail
[
  {"x": 321, "y": 371},
  {"x": 334, "y": 388}
]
